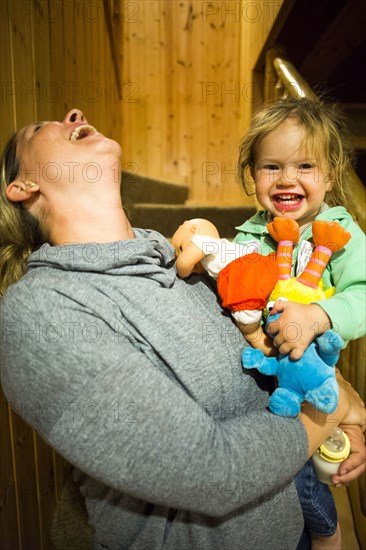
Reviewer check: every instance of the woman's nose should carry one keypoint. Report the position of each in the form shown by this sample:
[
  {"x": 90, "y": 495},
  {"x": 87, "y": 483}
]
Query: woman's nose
[{"x": 75, "y": 115}]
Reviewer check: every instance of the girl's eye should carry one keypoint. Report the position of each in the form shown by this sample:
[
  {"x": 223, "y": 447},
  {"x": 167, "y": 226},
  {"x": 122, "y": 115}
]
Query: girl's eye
[
  {"x": 271, "y": 167},
  {"x": 306, "y": 166},
  {"x": 36, "y": 128}
]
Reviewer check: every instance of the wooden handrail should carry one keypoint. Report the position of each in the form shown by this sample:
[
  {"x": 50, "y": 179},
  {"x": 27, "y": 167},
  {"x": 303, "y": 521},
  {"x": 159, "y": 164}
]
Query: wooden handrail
[{"x": 290, "y": 83}]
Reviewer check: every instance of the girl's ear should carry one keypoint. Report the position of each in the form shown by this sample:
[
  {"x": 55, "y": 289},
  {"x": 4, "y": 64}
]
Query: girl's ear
[{"x": 18, "y": 191}]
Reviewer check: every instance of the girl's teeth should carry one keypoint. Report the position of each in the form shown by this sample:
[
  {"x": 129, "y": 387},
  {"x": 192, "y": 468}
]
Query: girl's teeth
[{"x": 291, "y": 199}]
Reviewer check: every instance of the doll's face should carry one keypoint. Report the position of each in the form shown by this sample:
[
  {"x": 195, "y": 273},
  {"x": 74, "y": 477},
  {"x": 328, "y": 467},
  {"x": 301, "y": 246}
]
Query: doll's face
[
  {"x": 182, "y": 236},
  {"x": 197, "y": 226}
]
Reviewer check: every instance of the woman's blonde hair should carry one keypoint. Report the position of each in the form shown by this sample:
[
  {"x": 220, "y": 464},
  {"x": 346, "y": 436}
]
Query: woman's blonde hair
[
  {"x": 326, "y": 132},
  {"x": 20, "y": 232}
]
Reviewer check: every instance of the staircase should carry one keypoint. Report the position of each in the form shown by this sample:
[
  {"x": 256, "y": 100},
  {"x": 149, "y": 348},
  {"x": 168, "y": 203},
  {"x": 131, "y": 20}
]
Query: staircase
[{"x": 154, "y": 204}]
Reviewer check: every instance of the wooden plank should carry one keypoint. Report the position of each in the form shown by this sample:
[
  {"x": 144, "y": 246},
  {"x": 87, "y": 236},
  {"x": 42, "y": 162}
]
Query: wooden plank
[
  {"x": 46, "y": 488},
  {"x": 45, "y": 91},
  {"x": 8, "y": 87},
  {"x": 56, "y": 89},
  {"x": 22, "y": 59},
  {"x": 9, "y": 511},
  {"x": 30, "y": 534}
]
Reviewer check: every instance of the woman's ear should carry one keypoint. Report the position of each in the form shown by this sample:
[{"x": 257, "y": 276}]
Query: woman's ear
[{"x": 18, "y": 191}]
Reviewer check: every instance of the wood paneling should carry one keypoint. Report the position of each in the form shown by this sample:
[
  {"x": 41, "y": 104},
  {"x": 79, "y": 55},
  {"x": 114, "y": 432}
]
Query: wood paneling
[
  {"x": 188, "y": 68},
  {"x": 55, "y": 55}
]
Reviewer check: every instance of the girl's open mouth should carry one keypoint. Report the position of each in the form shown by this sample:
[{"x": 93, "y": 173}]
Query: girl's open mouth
[{"x": 287, "y": 202}]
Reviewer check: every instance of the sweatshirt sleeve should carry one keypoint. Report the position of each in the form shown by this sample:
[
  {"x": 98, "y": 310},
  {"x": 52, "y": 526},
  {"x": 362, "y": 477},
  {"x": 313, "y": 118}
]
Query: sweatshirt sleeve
[
  {"x": 126, "y": 423},
  {"x": 347, "y": 308}
]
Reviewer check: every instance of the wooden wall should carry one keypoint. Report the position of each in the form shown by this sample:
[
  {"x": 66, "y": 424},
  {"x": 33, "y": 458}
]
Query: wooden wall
[
  {"x": 55, "y": 55},
  {"x": 188, "y": 89}
]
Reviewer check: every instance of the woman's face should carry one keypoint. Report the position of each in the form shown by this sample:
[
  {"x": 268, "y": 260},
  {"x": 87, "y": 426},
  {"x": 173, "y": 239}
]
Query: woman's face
[{"x": 64, "y": 152}]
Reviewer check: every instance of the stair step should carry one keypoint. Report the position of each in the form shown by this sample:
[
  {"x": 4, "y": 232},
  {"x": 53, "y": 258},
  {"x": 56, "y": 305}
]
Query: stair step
[
  {"x": 136, "y": 188},
  {"x": 166, "y": 218}
]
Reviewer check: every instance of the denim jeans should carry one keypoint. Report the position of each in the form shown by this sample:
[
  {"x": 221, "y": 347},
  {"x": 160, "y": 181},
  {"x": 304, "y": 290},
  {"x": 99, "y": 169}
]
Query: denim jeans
[{"x": 317, "y": 503}]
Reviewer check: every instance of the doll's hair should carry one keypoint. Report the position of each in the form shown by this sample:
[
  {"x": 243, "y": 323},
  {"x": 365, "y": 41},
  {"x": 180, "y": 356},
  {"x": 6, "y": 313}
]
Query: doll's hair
[
  {"x": 20, "y": 232},
  {"x": 326, "y": 135}
]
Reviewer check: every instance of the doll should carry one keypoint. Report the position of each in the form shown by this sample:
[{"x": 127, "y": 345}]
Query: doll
[
  {"x": 312, "y": 377},
  {"x": 199, "y": 248}
]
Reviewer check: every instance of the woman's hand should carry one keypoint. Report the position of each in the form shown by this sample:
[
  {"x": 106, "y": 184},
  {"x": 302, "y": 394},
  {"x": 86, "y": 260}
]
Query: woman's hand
[{"x": 355, "y": 464}]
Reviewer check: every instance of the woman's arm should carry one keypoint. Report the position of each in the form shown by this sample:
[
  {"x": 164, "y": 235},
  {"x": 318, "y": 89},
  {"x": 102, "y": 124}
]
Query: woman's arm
[{"x": 318, "y": 426}]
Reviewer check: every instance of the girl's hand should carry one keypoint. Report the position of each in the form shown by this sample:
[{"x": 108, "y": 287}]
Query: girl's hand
[
  {"x": 297, "y": 326},
  {"x": 355, "y": 464}
]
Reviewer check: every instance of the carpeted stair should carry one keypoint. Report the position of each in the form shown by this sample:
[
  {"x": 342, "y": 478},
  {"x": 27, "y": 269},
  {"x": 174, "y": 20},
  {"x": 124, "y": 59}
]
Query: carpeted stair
[{"x": 162, "y": 206}]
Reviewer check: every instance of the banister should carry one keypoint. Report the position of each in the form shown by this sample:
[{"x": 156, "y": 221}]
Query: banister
[{"x": 293, "y": 82}]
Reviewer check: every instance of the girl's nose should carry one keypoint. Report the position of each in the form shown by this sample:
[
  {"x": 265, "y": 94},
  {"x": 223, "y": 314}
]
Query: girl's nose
[
  {"x": 289, "y": 174},
  {"x": 75, "y": 115}
]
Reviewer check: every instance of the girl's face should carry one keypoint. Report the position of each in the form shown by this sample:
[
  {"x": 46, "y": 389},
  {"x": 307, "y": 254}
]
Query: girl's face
[{"x": 289, "y": 181}]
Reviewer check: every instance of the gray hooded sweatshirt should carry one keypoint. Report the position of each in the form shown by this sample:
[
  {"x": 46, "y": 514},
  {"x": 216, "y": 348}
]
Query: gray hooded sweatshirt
[{"x": 135, "y": 377}]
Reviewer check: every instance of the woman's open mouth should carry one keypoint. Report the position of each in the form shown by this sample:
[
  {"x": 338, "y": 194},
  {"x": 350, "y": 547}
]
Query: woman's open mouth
[
  {"x": 82, "y": 132},
  {"x": 286, "y": 202}
]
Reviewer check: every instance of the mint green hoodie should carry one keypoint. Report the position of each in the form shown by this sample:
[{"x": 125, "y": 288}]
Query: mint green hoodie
[{"x": 346, "y": 269}]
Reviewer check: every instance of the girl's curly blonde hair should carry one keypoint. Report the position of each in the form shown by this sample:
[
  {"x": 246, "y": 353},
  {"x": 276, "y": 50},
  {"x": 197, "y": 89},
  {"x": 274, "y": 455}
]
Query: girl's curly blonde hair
[{"x": 326, "y": 134}]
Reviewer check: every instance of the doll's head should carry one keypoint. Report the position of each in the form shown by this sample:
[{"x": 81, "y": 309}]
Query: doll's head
[
  {"x": 185, "y": 232},
  {"x": 326, "y": 138}
]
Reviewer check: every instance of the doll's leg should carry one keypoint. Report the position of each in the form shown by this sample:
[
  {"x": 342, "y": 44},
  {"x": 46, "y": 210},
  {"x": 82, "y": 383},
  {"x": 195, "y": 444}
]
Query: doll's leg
[
  {"x": 284, "y": 402},
  {"x": 324, "y": 397}
]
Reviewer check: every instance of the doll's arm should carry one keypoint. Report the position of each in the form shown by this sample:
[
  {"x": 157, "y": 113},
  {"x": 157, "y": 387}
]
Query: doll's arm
[
  {"x": 257, "y": 338},
  {"x": 187, "y": 259}
]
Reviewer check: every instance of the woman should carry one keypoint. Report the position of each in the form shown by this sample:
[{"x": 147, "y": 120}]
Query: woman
[{"x": 133, "y": 375}]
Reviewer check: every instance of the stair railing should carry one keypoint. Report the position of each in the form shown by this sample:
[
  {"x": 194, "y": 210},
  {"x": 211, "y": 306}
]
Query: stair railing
[{"x": 283, "y": 80}]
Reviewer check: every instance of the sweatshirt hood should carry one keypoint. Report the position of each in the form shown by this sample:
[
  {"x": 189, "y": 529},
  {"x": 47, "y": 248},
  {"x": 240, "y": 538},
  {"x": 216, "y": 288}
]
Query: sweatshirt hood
[{"x": 149, "y": 254}]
